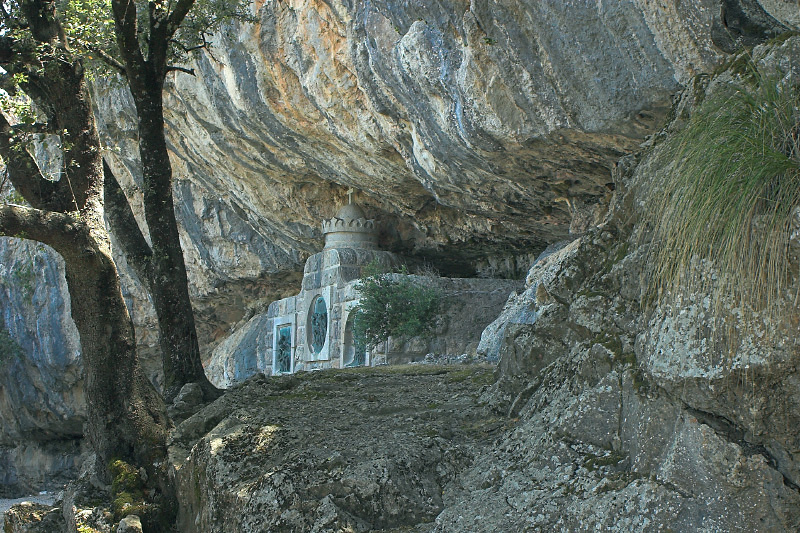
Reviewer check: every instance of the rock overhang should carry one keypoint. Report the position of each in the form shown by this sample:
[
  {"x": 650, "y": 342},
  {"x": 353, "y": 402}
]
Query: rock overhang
[{"x": 479, "y": 134}]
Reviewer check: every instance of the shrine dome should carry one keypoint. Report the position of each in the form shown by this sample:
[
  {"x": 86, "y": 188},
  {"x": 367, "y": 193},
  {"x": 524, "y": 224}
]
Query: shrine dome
[
  {"x": 351, "y": 212},
  {"x": 350, "y": 228}
]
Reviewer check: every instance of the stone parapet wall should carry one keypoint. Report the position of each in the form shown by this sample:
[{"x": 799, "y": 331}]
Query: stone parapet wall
[{"x": 469, "y": 306}]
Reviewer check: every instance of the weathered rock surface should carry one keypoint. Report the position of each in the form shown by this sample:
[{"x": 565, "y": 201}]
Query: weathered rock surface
[
  {"x": 41, "y": 395},
  {"x": 613, "y": 437},
  {"x": 33, "y": 517},
  {"x": 340, "y": 450},
  {"x": 517, "y": 309},
  {"x": 634, "y": 419},
  {"x": 478, "y": 133},
  {"x": 129, "y": 524}
]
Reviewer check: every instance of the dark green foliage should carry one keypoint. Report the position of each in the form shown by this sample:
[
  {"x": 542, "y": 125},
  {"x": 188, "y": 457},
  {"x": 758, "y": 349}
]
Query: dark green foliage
[
  {"x": 127, "y": 490},
  {"x": 89, "y": 27},
  {"x": 25, "y": 278},
  {"x": 394, "y": 305},
  {"x": 206, "y": 18}
]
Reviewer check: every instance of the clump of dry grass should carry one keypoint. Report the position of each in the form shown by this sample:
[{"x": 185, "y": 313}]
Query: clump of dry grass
[{"x": 722, "y": 216}]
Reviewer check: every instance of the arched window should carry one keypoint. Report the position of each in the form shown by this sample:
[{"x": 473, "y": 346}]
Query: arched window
[
  {"x": 317, "y": 324},
  {"x": 355, "y": 353}
]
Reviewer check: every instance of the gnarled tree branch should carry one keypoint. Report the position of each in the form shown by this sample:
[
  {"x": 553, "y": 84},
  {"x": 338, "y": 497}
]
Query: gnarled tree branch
[
  {"x": 54, "y": 229},
  {"x": 179, "y": 13},
  {"x": 26, "y": 177},
  {"x": 189, "y": 49},
  {"x": 108, "y": 59},
  {"x": 14, "y": 52},
  {"x": 127, "y": 33},
  {"x": 173, "y": 68},
  {"x": 44, "y": 24}
]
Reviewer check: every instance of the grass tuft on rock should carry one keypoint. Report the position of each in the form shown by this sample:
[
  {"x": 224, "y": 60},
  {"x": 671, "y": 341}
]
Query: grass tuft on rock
[
  {"x": 10, "y": 350},
  {"x": 723, "y": 216}
]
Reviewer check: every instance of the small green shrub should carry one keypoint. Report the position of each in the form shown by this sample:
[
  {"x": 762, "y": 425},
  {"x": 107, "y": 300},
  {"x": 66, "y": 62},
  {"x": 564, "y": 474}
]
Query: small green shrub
[
  {"x": 8, "y": 194},
  {"x": 25, "y": 278},
  {"x": 393, "y": 306},
  {"x": 733, "y": 182}
]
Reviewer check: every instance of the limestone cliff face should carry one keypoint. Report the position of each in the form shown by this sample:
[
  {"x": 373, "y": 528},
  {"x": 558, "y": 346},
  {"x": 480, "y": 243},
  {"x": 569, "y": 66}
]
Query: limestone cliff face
[
  {"x": 42, "y": 405},
  {"x": 477, "y": 132},
  {"x": 620, "y": 403}
]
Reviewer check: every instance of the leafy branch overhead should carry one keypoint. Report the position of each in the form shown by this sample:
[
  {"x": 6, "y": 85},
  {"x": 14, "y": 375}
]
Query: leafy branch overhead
[{"x": 188, "y": 27}]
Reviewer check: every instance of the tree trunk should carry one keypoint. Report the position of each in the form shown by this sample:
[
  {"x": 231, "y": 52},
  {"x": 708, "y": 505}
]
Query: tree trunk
[
  {"x": 170, "y": 287},
  {"x": 127, "y": 418},
  {"x": 144, "y": 51}
]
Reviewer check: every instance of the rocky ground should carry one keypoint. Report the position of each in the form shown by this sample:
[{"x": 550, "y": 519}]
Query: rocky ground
[
  {"x": 346, "y": 450},
  {"x": 342, "y": 450},
  {"x": 6, "y": 504}
]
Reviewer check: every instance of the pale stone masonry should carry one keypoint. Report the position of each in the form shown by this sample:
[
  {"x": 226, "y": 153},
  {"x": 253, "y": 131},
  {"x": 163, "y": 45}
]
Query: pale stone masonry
[
  {"x": 314, "y": 329},
  {"x": 329, "y": 281}
]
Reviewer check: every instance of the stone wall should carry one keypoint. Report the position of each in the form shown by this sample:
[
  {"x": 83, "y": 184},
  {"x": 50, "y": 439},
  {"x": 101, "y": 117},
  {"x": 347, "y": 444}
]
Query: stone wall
[{"x": 468, "y": 305}]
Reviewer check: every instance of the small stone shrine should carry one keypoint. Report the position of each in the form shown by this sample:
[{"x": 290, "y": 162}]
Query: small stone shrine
[{"x": 314, "y": 329}]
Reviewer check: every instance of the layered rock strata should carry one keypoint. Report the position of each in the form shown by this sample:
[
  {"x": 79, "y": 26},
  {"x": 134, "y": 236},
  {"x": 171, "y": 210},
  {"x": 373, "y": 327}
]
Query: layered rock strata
[
  {"x": 480, "y": 132},
  {"x": 42, "y": 407}
]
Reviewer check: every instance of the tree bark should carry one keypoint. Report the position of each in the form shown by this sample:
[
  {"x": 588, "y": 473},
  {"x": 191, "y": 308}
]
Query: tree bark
[
  {"x": 126, "y": 416},
  {"x": 169, "y": 286},
  {"x": 170, "y": 292}
]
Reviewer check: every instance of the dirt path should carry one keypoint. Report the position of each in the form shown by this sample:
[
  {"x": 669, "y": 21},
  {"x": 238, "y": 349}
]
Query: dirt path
[{"x": 347, "y": 450}]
